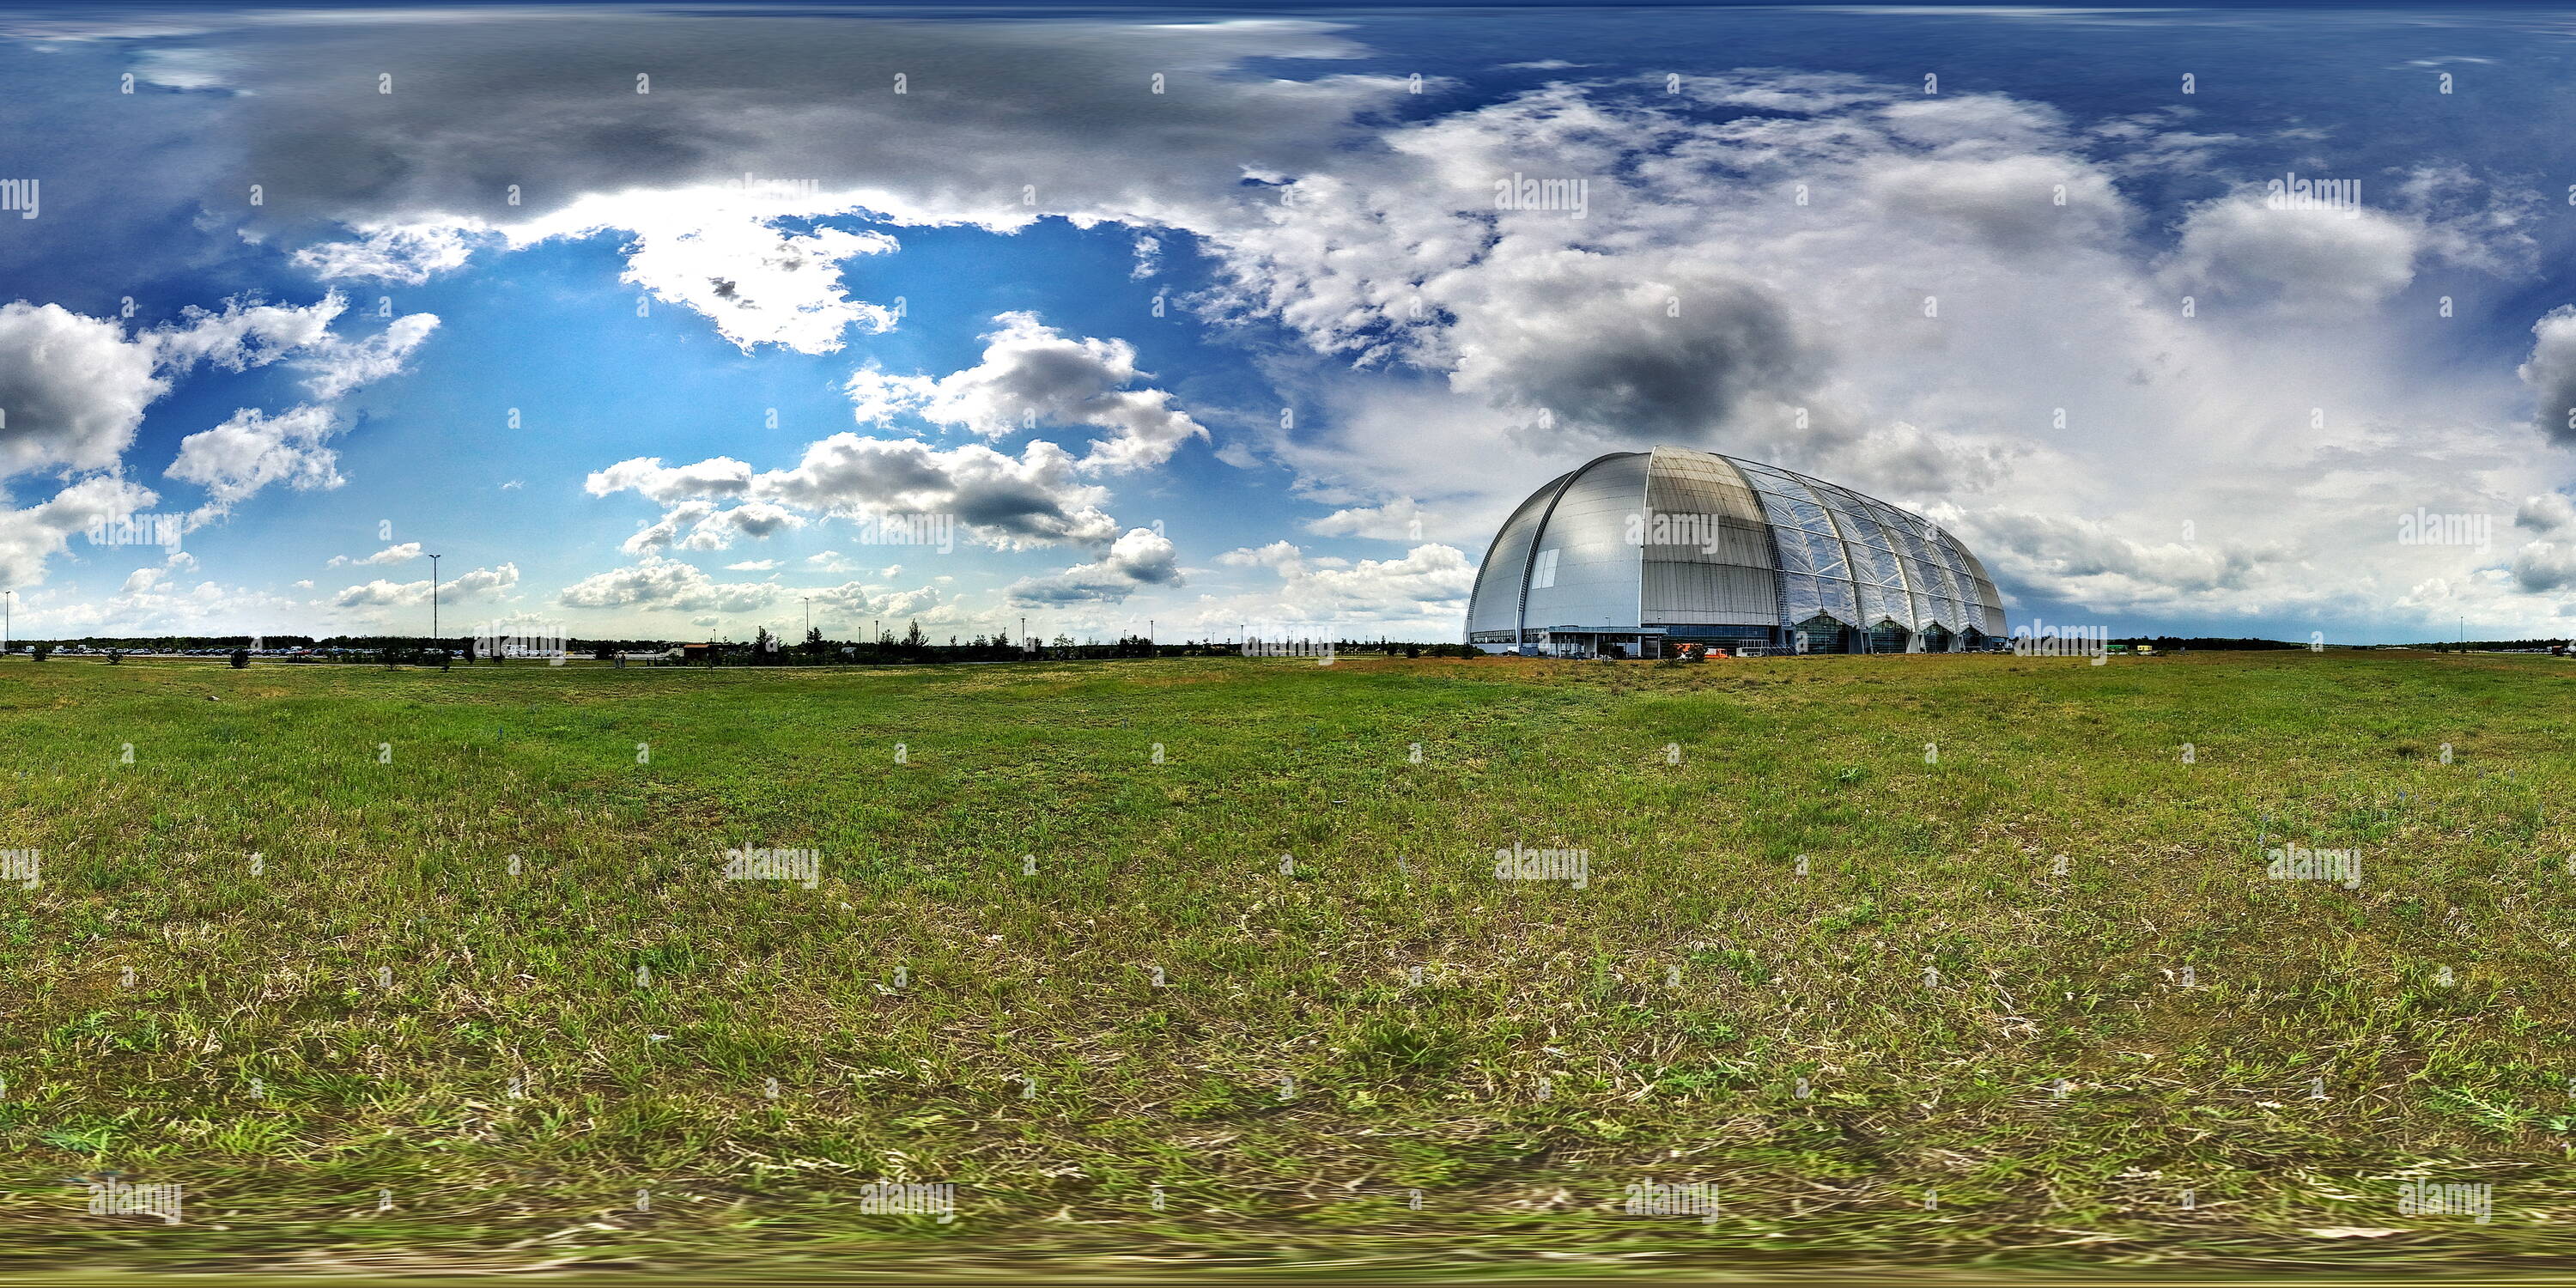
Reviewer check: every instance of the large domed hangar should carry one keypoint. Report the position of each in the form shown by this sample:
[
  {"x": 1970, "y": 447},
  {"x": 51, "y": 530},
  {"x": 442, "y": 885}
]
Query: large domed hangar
[{"x": 1636, "y": 551}]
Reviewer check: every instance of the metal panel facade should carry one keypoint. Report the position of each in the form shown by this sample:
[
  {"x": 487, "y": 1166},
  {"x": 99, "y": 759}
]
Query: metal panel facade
[
  {"x": 1708, "y": 552},
  {"x": 1497, "y": 599},
  {"x": 1597, "y": 572}
]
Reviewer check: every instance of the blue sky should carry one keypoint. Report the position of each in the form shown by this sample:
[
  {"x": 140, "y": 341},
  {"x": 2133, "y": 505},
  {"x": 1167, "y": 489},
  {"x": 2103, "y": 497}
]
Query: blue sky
[{"x": 1259, "y": 348}]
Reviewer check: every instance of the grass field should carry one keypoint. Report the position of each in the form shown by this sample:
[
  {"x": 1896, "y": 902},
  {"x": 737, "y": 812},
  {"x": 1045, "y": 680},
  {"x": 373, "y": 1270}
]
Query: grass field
[{"x": 1080, "y": 985}]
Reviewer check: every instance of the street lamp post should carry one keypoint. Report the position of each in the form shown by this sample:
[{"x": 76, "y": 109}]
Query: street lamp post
[{"x": 433, "y": 599}]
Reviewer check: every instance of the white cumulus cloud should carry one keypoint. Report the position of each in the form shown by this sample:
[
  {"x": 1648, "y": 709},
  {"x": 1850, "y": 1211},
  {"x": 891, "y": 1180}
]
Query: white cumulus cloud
[
  {"x": 480, "y": 583},
  {"x": 1142, "y": 557},
  {"x": 655, "y": 582},
  {"x": 1031, "y": 375}
]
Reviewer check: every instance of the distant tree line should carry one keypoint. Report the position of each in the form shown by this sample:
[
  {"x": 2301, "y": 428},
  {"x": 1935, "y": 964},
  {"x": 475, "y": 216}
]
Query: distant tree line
[
  {"x": 2177, "y": 643},
  {"x": 167, "y": 643},
  {"x": 764, "y": 649},
  {"x": 2169, "y": 643},
  {"x": 2489, "y": 646},
  {"x": 915, "y": 646}
]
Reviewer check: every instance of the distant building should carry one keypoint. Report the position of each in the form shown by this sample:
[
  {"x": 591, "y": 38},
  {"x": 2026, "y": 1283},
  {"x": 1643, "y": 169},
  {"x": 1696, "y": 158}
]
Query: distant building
[{"x": 1639, "y": 549}]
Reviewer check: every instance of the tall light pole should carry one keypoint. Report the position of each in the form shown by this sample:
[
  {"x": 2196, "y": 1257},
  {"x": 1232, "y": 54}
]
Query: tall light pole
[
  {"x": 433, "y": 599},
  {"x": 809, "y": 616},
  {"x": 1024, "y": 635},
  {"x": 8, "y": 600}
]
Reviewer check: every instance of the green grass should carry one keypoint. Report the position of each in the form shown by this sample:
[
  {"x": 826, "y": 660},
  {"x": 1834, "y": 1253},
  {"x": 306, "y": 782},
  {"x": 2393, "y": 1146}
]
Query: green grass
[{"x": 385, "y": 1014}]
